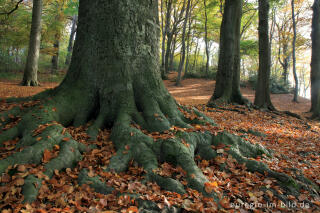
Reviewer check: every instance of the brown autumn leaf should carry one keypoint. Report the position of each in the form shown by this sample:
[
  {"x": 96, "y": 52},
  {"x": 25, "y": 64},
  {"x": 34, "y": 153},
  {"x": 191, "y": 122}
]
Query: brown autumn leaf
[
  {"x": 65, "y": 139},
  {"x": 19, "y": 182},
  {"x": 21, "y": 168},
  {"x": 210, "y": 186},
  {"x": 47, "y": 156},
  {"x": 132, "y": 209}
]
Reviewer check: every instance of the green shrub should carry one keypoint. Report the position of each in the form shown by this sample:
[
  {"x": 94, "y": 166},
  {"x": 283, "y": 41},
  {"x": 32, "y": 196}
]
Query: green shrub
[{"x": 277, "y": 85}]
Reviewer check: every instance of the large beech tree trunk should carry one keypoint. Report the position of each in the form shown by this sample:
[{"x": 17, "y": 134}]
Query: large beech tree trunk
[
  {"x": 228, "y": 77},
  {"x": 262, "y": 96},
  {"x": 315, "y": 61},
  {"x": 114, "y": 81},
  {"x": 31, "y": 70}
]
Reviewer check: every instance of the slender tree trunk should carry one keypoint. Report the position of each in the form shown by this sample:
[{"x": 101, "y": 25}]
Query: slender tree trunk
[
  {"x": 55, "y": 57},
  {"x": 315, "y": 60},
  {"x": 236, "y": 93},
  {"x": 206, "y": 36},
  {"x": 296, "y": 80},
  {"x": 169, "y": 35},
  {"x": 171, "y": 57},
  {"x": 227, "y": 87},
  {"x": 183, "y": 45},
  {"x": 71, "y": 38},
  {"x": 262, "y": 95},
  {"x": 163, "y": 42},
  {"x": 285, "y": 62},
  {"x": 195, "y": 55},
  {"x": 30, "y": 77},
  {"x": 189, "y": 43}
]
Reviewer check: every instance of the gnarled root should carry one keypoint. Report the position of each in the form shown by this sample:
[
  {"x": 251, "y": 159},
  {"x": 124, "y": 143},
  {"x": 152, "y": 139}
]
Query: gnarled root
[{"x": 41, "y": 132}]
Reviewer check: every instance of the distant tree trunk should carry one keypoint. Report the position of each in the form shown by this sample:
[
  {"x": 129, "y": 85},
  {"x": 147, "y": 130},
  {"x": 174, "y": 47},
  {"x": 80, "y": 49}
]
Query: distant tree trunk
[
  {"x": 285, "y": 62},
  {"x": 315, "y": 61},
  {"x": 262, "y": 95},
  {"x": 227, "y": 87},
  {"x": 296, "y": 80},
  {"x": 55, "y": 57},
  {"x": 30, "y": 77},
  {"x": 163, "y": 42},
  {"x": 169, "y": 36},
  {"x": 195, "y": 55},
  {"x": 189, "y": 43},
  {"x": 236, "y": 93},
  {"x": 71, "y": 38},
  {"x": 183, "y": 45},
  {"x": 171, "y": 57},
  {"x": 206, "y": 36}
]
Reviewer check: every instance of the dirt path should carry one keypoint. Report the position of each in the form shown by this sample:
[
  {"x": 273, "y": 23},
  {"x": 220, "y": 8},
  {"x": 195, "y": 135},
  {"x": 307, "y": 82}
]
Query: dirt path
[{"x": 192, "y": 92}]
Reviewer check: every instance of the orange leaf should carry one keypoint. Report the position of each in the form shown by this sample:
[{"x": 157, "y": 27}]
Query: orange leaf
[
  {"x": 65, "y": 139},
  {"x": 132, "y": 209},
  {"x": 209, "y": 186},
  {"x": 47, "y": 155},
  {"x": 316, "y": 202}
]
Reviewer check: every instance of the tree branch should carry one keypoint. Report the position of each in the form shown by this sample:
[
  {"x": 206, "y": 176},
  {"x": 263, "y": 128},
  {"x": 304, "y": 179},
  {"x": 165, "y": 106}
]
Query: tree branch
[{"x": 14, "y": 9}]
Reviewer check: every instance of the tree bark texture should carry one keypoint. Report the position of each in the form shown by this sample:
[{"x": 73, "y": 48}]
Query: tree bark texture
[
  {"x": 296, "y": 80},
  {"x": 315, "y": 60},
  {"x": 262, "y": 95},
  {"x": 206, "y": 37},
  {"x": 31, "y": 69},
  {"x": 227, "y": 87},
  {"x": 183, "y": 44}
]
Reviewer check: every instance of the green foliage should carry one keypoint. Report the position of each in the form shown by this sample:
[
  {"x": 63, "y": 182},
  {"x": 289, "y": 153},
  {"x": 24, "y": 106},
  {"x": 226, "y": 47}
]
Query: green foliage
[
  {"x": 15, "y": 30},
  {"x": 249, "y": 48},
  {"x": 277, "y": 85}
]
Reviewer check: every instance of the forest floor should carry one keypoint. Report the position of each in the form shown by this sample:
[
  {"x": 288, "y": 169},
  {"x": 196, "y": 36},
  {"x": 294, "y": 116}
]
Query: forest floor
[
  {"x": 192, "y": 92},
  {"x": 296, "y": 143}
]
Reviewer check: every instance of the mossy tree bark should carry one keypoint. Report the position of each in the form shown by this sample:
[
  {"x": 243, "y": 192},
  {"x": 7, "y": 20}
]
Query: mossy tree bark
[
  {"x": 31, "y": 70},
  {"x": 315, "y": 61},
  {"x": 227, "y": 88},
  {"x": 262, "y": 95},
  {"x": 122, "y": 64}
]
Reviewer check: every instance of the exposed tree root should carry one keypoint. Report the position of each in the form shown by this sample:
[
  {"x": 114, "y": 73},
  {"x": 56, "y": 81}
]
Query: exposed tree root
[
  {"x": 42, "y": 129},
  {"x": 235, "y": 98},
  {"x": 32, "y": 83}
]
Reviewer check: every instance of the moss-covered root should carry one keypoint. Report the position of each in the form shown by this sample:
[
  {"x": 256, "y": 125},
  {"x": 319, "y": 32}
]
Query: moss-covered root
[
  {"x": 132, "y": 144},
  {"x": 34, "y": 149},
  {"x": 9, "y": 116},
  {"x": 244, "y": 152}
]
